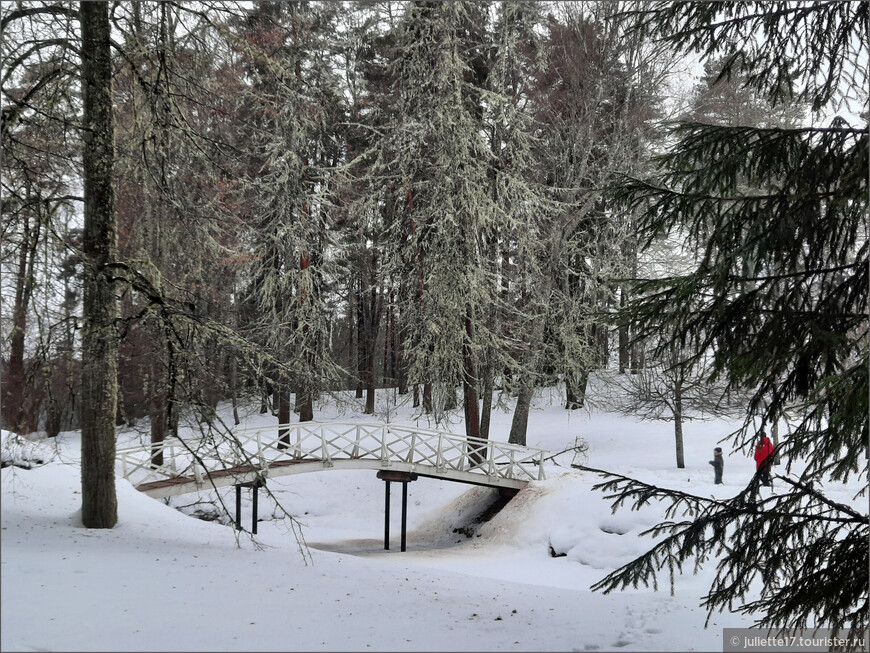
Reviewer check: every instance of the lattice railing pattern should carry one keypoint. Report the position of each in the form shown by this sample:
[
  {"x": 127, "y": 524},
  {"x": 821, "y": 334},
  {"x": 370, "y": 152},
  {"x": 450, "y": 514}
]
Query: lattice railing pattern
[{"x": 261, "y": 447}]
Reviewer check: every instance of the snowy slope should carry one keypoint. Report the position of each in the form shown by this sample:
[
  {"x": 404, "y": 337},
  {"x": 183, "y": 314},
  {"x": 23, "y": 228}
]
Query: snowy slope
[{"x": 162, "y": 580}]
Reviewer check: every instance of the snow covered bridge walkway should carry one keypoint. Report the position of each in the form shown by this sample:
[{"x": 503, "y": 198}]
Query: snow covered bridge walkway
[{"x": 250, "y": 456}]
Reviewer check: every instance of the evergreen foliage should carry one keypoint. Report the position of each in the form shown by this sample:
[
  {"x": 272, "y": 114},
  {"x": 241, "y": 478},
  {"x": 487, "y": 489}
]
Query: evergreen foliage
[
  {"x": 290, "y": 152},
  {"x": 779, "y": 295}
]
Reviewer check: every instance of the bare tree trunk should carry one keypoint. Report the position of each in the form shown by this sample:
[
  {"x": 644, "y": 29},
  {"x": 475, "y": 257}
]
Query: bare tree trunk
[
  {"x": 469, "y": 384},
  {"x": 387, "y": 375},
  {"x": 234, "y": 387},
  {"x": 520, "y": 421},
  {"x": 602, "y": 344},
  {"x": 486, "y": 406},
  {"x": 369, "y": 375},
  {"x": 159, "y": 423},
  {"x": 637, "y": 358},
  {"x": 17, "y": 415},
  {"x": 427, "y": 397},
  {"x": 402, "y": 377},
  {"x": 159, "y": 400},
  {"x": 284, "y": 405},
  {"x": 360, "y": 340},
  {"x": 774, "y": 434},
  {"x": 99, "y": 339},
  {"x": 306, "y": 409},
  {"x": 373, "y": 319},
  {"x": 450, "y": 397},
  {"x": 276, "y": 400},
  {"x": 678, "y": 424},
  {"x": 393, "y": 334},
  {"x": 265, "y": 391},
  {"x": 624, "y": 348},
  {"x": 575, "y": 393}
]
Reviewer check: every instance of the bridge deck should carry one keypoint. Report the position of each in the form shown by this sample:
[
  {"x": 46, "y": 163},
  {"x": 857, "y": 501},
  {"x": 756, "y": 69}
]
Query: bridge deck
[{"x": 253, "y": 455}]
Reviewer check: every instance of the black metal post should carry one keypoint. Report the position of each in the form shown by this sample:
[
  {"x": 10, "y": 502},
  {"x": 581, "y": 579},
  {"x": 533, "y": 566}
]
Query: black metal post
[
  {"x": 238, "y": 507},
  {"x": 404, "y": 510},
  {"x": 254, "y": 523},
  {"x": 387, "y": 516}
]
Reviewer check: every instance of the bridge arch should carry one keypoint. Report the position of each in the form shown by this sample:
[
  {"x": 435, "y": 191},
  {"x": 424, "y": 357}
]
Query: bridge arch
[{"x": 251, "y": 456}]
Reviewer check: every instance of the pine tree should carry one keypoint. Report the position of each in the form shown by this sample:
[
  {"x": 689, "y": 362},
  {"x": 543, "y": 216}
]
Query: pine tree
[{"x": 779, "y": 294}]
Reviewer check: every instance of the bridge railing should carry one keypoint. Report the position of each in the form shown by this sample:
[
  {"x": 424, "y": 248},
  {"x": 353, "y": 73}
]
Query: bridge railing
[{"x": 261, "y": 447}]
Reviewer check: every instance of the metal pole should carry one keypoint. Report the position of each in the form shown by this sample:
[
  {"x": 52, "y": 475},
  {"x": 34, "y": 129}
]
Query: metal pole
[
  {"x": 238, "y": 507},
  {"x": 404, "y": 510},
  {"x": 254, "y": 522},
  {"x": 387, "y": 516}
]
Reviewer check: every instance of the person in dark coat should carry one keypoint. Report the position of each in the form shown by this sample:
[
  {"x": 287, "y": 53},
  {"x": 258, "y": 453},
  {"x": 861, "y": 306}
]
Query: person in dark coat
[
  {"x": 764, "y": 458},
  {"x": 717, "y": 465}
]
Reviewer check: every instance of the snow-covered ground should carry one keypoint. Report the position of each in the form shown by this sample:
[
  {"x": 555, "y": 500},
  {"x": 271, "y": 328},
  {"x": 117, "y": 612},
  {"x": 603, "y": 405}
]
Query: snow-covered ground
[{"x": 164, "y": 581}]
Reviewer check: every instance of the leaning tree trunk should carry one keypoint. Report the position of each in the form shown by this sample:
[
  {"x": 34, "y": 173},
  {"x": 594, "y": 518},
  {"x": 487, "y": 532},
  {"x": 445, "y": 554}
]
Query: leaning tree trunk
[
  {"x": 99, "y": 339},
  {"x": 520, "y": 421}
]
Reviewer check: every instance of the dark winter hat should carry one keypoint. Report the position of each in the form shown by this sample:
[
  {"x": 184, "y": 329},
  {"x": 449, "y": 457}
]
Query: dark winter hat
[{"x": 717, "y": 450}]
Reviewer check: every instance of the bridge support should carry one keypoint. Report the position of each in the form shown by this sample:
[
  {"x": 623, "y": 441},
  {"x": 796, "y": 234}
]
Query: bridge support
[
  {"x": 404, "y": 478},
  {"x": 254, "y": 485}
]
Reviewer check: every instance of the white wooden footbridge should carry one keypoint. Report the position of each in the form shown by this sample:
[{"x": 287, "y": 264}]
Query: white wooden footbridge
[{"x": 248, "y": 457}]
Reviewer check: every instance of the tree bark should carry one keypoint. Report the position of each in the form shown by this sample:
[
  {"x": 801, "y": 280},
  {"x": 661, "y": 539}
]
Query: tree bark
[
  {"x": 159, "y": 423},
  {"x": 283, "y": 392},
  {"x": 486, "y": 407},
  {"x": 159, "y": 400},
  {"x": 99, "y": 337},
  {"x": 427, "y": 397},
  {"x": 360, "y": 340},
  {"x": 234, "y": 386},
  {"x": 306, "y": 408},
  {"x": 469, "y": 383},
  {"x": 520, "y": 421},
  {"x": 17, "y": 415},
  {"x": 774, "y": 434},
  {"x": 678, "y": 425},
  {"x": 624, "y": 347},
  {"x": 575, "y": 394}
]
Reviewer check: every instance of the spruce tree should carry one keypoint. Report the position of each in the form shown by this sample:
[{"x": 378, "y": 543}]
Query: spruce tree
[
  {"x": 291, "y": 98},
  {"x": 442, "y": 173},
  {"x": 779, "y": 295}
]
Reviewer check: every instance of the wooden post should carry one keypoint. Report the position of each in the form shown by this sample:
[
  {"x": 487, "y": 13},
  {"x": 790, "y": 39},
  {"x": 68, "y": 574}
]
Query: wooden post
[
  {"x": 404, "y": 511},
  {"x": 254, "y": 508},
  {"x": 387, "y": 517},
  {"x": 404, "y": 478},
  {"x": 238, "y": 507}
]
